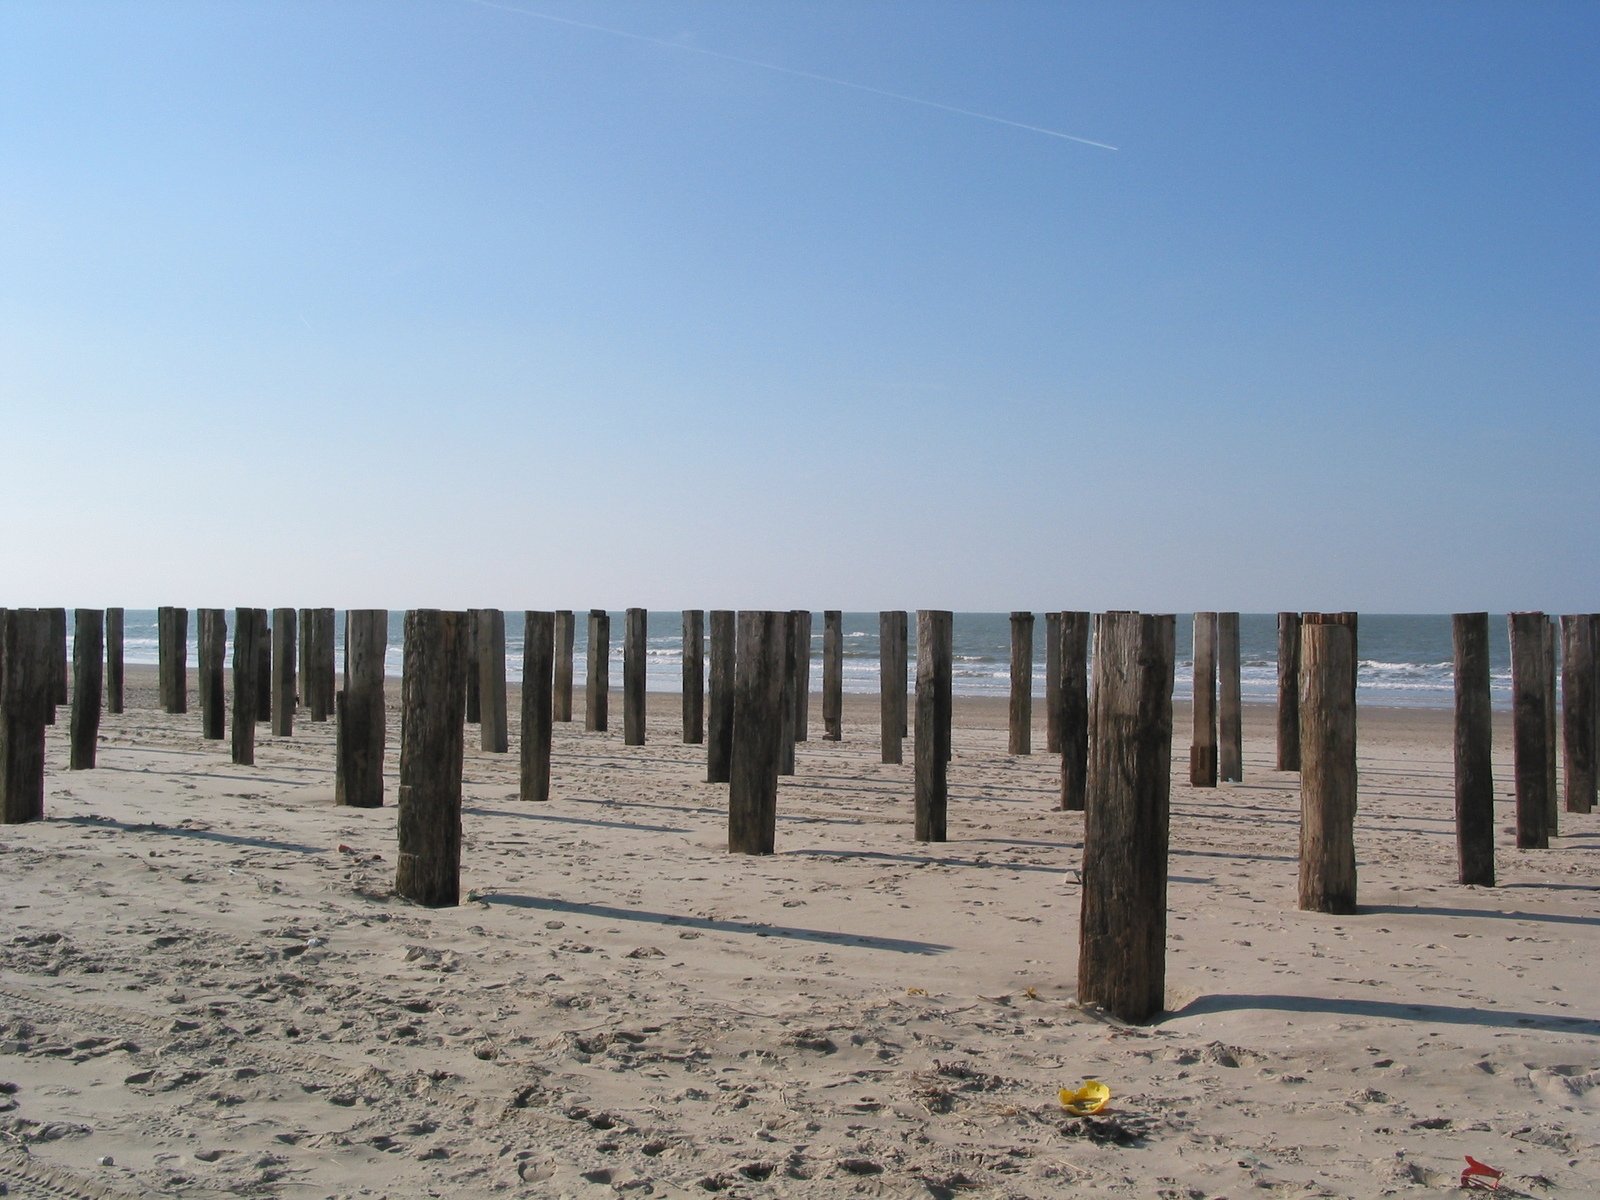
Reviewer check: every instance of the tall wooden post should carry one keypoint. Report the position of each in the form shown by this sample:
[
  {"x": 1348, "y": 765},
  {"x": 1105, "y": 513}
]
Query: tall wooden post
[
  {"x": 263, "y": 668},
  {"x": 694, "y": 676},
  {"x": 891, "y": 698},
  {"x": 1230, "y": 700},
  {"x": 474, "y": 671},
  {"x": 59, "y": 660},
  {"x": 433, "y": 696},
  {"x": 1474, "y": 735},
  {"x": 932, "y": 749},
  {"x": 307, "y": 623},
  {"x": 832, "y": 675},
  {"x": 320, "y": 664},
  {"x": 211, "y": 655},
  {"x": 719, "y": 742},
  {"x": 757, "y": 729},
  {"x": 283, "y": 678},
  {"x": 362, "y": 731},
  {"x": 635, "y": 651},
  {"x": 245, "y": 658},
  {"x": 1052, "y": 682},
  {"x": 902, "y": 667},
  {"x": 1075, "y": 714},
  {"x": 114, "y": 620},
  {"x": 1020, "y": 738},
  {"x": 802, "y": 675},
  {"x": 598, "y": 682},
  {"x": 538, "y": 709},
  {"x": 1529, "y": 728},
  {"x": 788, "y": 707},
  {"x": 1203, "y": 749},
  {"x": 1122, "y": 928},
  {"x": 1288, "y": 691},
  {"x": 565, "y": 635},
  {"x": 88, "y": 648},
  {"x": 26, "y": 693},
  {"x": 1552, "y": 724},
  {"x": 495, "y": 736},
  {"x": 172, "y": 644},
  {"x": 1577, "y": 711},
  {"x": 1327, "y": 767}
]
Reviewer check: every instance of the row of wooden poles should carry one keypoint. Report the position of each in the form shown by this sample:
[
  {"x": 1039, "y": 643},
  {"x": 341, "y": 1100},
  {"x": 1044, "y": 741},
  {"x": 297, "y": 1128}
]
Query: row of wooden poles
[{"x": 1114, "y": 732}]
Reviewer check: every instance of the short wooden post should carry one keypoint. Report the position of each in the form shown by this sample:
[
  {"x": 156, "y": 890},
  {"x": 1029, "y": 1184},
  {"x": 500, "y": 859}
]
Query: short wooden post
[
  {"x": 495, "y": 736},
  {"x": 1529, "y": 728},
  {"x": 694, "y": 676},
  {"x": 172, "y": 647},
  {"x": 474, "y": 671},
  {"x": 538, "y": 709},
  {"x": 1020, "y": 729},
  {"x": 433, "y": 696},
  {"x": 565, "y": 635},
  {"x": 59, "y": 659},
  {"x": 791, "y": 651},
  {"x": 283, "y": 674},
  {"x": 1075, "y": 714},
  {"x": 27, "y": 692},
  {"x": 1052, "y": 683},
  {"x": 114, "y": 622},
  {"x": 598, "y": 682},
  {"x": 1230, "y": 700},
  {"x": 932, "y": 749},
  {"x": 263, "y": 669},
  {"x": 88, "y": 650},
  {"x": 758, "y": 732},
  {"x": 1552, "y": 724},
  {"x": 832, "y": 675},
  {"x": 1327, "y": 767},
  {"x": 1577, "y": 711},
  {"x": 1203, "y": 748},
  {"x": 320, "y": 664},
  {"x": 362, "y": 731},
  {"x": 802, "y": 675},
  {"x": 1474, "y": 735},
  {"x": 902, "y": 667},
  {"x": 245, "y": 658},
  {"x": 635, "y": 651},
  {"x": 891, "y": 698},
  {"x": 1122, "y": 927},
  {"x": 719, "y": 741},
  {"x": 211, "y": 651},
  {"x": 1288, "y": 691},
  {"x": 307, "y": 622}
]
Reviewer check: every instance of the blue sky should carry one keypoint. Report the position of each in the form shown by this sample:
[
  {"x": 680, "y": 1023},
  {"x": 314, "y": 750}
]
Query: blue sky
[{"x": 428, "y": 302}]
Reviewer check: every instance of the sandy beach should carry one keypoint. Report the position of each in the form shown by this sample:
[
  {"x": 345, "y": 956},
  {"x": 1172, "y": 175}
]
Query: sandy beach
[{"x": 209, "y": 990}]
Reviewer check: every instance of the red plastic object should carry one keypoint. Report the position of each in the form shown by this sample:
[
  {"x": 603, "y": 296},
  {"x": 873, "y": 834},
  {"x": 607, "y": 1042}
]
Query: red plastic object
[{"x": 1477, "y": 1172}]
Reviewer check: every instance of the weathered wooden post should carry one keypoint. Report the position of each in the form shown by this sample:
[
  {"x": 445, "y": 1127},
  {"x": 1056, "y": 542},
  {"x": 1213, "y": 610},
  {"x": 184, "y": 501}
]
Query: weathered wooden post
[
  {"x": 565, "y": 635},
  {"x": 1230, "y": 700},
  {"x": 1327, "y": 766},
  {"x": 635, "y": 652},
  {"x": 474, "y": 676},
  {"x": 172, "y": 648},
  {"x": 1577, "y": 711},
  {"x": 596, "y": 686},
  {"x": 694, "y": 676},
  {"x": 1474, "y": 735},
  {"x": 891, "y": 699},
  {"x": 1203, "y": 750},
  {"x": 433, "y": 696},
  {"x": 1288, "y": 691},
  {"x": 1552, "y": 791},
  {"x": 538, "y": 709},
  {"x": 283, "y": 675},
  {"x": 491, "y": 647},
  {"x": 114, "y": 619},
  {"x": 802, "y": 675},
  {"x": 832, "y": 675},
  {"x": 59, "y": 660},
  {"x": 27, "y": 692},
  {"x": 719, "y": 743},
  {"x": 1052, "y": 682},
  {"x": 211, "y": 650},
  {"x": 1075, "y": 714},
  {"x": 362, "y": 732},
  {"x": 758, "y": 731},
  {"x": 245, "y": 657},
  {"x": 1529, "y": 728},
  {"x": 787, "y": 711},
  {"x": 320, "y": 664},
  {"x": 932, "y": 749},
  {"x": 902, "y": 668},
  {"x": 1020, "y": 736},
  {"x": 88, "y": 647},
  {"x": 307, "y": 623},
  {"x": 263, "y": 669},
  {"x": 1122, "y": 928}
]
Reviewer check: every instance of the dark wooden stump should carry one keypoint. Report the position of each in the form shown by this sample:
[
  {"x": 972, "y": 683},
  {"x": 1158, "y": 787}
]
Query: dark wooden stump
[
  {"x": 791, "y": 653},
  {"x": 1577, "y": 711},
  {"x": 832, "y": 675},
  {"x": 61, "y": 666},
  {"x": 694, "y": 676},
  {"x": 245, "y": 658},
  {"x": 362, "y": 733},
  {"x": 320, "y": 664},
  {"x": 1474, "y": 736},
  {"x": 474, "y": 696},
  {"x": 1327, "y": 766},
  {"x": 172, "y": 648},
  {"x": 597, "y": 684},
  {"x": 1552, "y": 724},
  {"x": 891, "y": 698},
  {"x": 1020, "y": 726},
  {"x": 283, "y": 673},
  {"x": 758, "y": 732},
  {"x": 114, "y": 623},
  {"x": 1230, "y": 701},
  {"x": 932, "y": 747},
  {"x": 565, "y": 635},
  {"x": 1288, "y": 691},
  {"x": 495, "y": 735},
  {"x": 211, "y": 647},
  {"x": 27, "y": 693},
  {"x": 433, "y": 741},
  {"x": 1203, "y": 749},
  {"x": 538, "y": 703},
  {"x": 263, "y": 669},
  {"x": 1052, "y": 683},
  {"x": 1075, "y": 715},
  {"x": 635, "y": 658},
  {"x": 1530, "y": 728},
  {"x": 88, "y": 649},
  {"x": 802, "y": 675},
  {"x": 719, "y": 741}
]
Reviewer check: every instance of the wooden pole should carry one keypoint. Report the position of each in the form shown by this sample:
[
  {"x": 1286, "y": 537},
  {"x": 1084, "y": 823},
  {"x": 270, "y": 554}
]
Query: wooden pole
[
  {"x": 88, "y": 649},
  {"x": 172, "y": 637},
  {"x": 1052, "y": 682},
  {"x": 283, "y": 676},
  {"x": 635, "y": 635},
  {"x": 932, "y": 748},
  {"x": 211, "y": 636},
  {"x": 361, "y": 711},
  {"x": 802, "y": 675},
  {"x": 1552, "y": 723},
  {"x": 902, "y": 666},
  {"x": 891, "y": 728},
  {"x": 59, "y": 660},
  {"x": 719, "y": 744},
  {"x": 1230, "y": 700},
  {"x": 1075, "y": 713},
  {"x": 788, "y": 711},
  {"x": 263, "y": 669},
  {"x": 1288, "y": 691},
  {"x": 433, "y": 696},
  {"x": 307, "y": 623},
  {"x": 27, "y": 684},
  {"x": 1328, "y": 767},
  {"x": 757, "y": 729},
  {"x": 1203, "y": 749},
  {"x": 1529, "y": 728},
  {"x": 495, "y": 736},
  {"x": 474, "y": 671},
  {"x": 114, "y": 620},
  {"x": 1020, "y": 738},
  {"x": 1577, "y": 711},
  {"x": 1474, "y": 735},
  {"x": 694, "y": 676},
  {"x": 1122, "y": 927},
  {"x": 538, "y": 708},
  {"x": 320, "y": 664},
  {"x": 564, "y": 637},
  {"x": 245, "y": 658},
  {"x": 599, "y": 677},
  {"x": 832, "y": 675}
]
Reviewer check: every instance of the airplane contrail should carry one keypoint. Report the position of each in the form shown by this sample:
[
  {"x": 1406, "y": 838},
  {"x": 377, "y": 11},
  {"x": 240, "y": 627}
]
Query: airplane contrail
[{"x": 794, "y": 71}]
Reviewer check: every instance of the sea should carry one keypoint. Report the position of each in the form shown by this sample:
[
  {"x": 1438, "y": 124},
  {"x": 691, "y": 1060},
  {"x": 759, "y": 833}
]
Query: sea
[{"x": 1405, "y": 659}]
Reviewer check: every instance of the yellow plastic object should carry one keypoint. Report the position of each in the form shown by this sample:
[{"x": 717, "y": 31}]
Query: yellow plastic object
[{"x": 1090, "y": 1098}]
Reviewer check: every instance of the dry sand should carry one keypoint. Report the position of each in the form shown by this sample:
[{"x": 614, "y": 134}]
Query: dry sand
[{"x": 208, "y": 989}]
